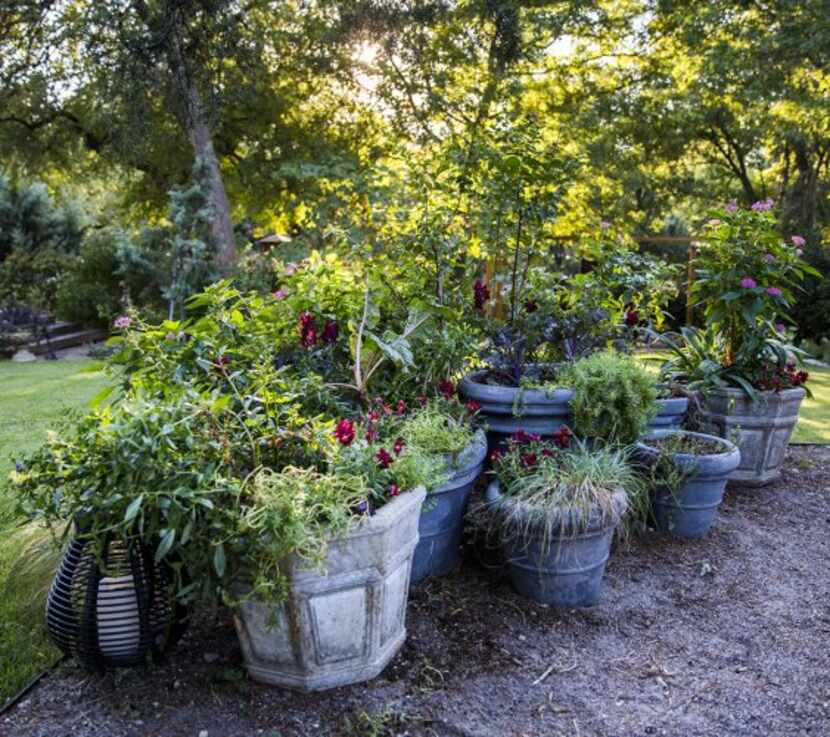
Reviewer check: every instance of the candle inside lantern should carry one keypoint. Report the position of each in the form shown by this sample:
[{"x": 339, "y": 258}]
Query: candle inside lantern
[{"x": 119, "y": 631}]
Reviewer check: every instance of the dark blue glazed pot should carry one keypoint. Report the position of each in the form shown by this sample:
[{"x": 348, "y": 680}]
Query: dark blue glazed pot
[
  {"x": 442, "y": 514},
  {"x": 670, "y": 413},
  {"x": 507, "y": 409},
  {"x": 568, "y": 570},
  {"x": 690, "y": 510}
]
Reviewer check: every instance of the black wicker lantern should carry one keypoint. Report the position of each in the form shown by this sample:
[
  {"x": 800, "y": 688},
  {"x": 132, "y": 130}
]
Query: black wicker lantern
[{"x": 118, "y": 611}]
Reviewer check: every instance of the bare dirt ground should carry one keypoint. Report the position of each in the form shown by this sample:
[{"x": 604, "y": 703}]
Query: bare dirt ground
[{"x": 724, "y": 636}]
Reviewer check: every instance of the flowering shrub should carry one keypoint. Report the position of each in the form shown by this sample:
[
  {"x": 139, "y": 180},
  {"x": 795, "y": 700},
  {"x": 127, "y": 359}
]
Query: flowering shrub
[{"x": 746, "y": 278}]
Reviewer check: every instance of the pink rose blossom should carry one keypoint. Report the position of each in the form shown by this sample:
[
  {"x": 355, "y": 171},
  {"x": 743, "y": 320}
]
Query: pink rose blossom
[
  {"x": 123, "y": 322},
  {"x": 798, "y": 241},
  {"x": 748, "y": 283}
]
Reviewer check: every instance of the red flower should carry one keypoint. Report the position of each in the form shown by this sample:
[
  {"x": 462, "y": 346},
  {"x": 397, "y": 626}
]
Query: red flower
[
  {"x": 446, "y": 388},
  {"x": 531, "y": 306},
  {"x": 401, "y": 408},
  {"x": 480, "y": 294},
  {"x": 372, "y": 434},
  {"x": 495, "y": 455},
  {"x": 529, "y": 460},
  {"x": 398, "y": 447},
  {"x": 394, "y": 490},
  {"x": 562, "y": 437},
  {"x": 521, "y": 437},
  {"x": 422, "y": 400},
  {"x": 632, "y": 317},
  {"x": 222, "y": 362},
  {"x": 472, "y": 406},
  {"x": 383, "y": 458},
  {"x": 308, "y": 330},
  {"x": 344, "y": 432},
  {"x": 330, "y": 332},
  {"x": 374, "y": 416}
]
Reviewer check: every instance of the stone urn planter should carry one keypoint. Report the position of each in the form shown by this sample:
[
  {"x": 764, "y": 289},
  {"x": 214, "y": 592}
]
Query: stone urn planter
[
  {"x": 761, "y": 428},
  {"x": 568, "y": 570},
  {"x": 343, "y": 623},
  {"x": 506, "y": 409},
  {"x": 442, "y": 514},
  {"x": 690, "y": 509},
  {"x": 670, "y": 413}
]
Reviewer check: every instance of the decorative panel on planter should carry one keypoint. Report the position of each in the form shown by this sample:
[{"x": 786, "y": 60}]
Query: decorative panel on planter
[
  {"x": 343, "y": 623},
  {"x": 760, "y": 428},
  {"x": 119, "y": 612}
]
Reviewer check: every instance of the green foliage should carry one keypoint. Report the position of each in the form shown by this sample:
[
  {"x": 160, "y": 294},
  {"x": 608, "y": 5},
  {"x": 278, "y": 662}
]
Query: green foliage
[
  {"x": 292, "y": 513},
  {"x": 440, "y": 427},
  {"x": 614, "y": 397},
  {"x": 562, "y": 491}
]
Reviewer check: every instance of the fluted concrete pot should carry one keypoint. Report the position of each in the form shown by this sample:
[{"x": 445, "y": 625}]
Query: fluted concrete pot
[
  {"x": 344, "y": 623},
  {"x": 690, "y": 510},
  {"x": 442, "y": 514},
  {"x": 670, "y": 413},
  {"x": 507, "y": 409},
  {"x": 760, "y": 428},
  {"x": 568, "y": 570}
]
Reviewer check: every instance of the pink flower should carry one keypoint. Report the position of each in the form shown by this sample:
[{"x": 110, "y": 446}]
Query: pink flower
[
  {"x": 748, "y": 283},
  {"x": 123, "y": 322},
  {"x": 769, "y": 258},
  {"x": 473, "y": 406},
  {"x": 372, "y": 434},
  {"x": 290, "y": 269},
  {"x": 731, "y": 207},
  {"x": 398, "y": 447},
  {"x": 763, "y": 205},
  {"x": 780, "y": 327},
  {"x": 773, "y": 291},
  {"x": 394, "y": 490},
  {"x": 529, "y": 460},
  {"x": 401, "y": 407},
  {"x": 713, "y": 223},
  {"x": 344, "y": 432},
  {"x": 281, "y": 293},
  {"x": 522, "y": 437},
  {"x": 604, "y": 225},
  {"x": 562, "y": 437},
  {"x": 798, "y": 241}
]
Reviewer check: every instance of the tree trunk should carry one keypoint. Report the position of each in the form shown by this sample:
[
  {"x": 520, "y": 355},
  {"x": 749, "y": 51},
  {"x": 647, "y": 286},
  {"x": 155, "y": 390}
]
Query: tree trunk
[{"x": 202, "y": 140}]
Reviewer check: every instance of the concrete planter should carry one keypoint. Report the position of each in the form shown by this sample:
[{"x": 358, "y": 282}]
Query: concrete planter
[
  {"x": 569, "y": 571},
  {"x": 442, "y": 514},
  {"x": 761, "y": 429},
  {"x": 670, "y": 413},
  {"x": 345, "y": 623},
  {"x": 507, "y": 409},
  {"x": 690, "y": 510}
]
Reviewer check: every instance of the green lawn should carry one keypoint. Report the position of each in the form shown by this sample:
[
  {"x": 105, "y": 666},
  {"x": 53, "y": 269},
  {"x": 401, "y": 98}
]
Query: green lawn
[{"x": 33, "y": 398}]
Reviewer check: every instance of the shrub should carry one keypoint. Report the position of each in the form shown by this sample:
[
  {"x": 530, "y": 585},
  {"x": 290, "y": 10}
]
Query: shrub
[
  {"x": 614, "y": 397},
  {"x": 32, "y": 278}
]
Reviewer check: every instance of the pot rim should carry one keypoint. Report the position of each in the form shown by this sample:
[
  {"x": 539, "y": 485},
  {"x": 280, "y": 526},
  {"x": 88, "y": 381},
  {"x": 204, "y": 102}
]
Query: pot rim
[
  {"x": 729, "y": 457},
  {"x": 507, "y": 394}
]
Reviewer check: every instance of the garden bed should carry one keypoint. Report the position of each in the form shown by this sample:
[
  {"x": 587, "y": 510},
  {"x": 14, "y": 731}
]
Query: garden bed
[{"x": 721, "y": 636}]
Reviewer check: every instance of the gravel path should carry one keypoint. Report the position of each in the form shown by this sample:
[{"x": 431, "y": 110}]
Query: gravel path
[{"x": 720, "y": 637}]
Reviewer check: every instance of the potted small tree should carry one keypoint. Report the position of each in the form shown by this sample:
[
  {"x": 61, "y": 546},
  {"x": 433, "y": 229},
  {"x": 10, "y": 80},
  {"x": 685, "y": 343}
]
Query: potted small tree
[
  {"x": 687, "y": 472},
  {"x": 555, "y": 509},
  {"x": 751, "y": 388}
]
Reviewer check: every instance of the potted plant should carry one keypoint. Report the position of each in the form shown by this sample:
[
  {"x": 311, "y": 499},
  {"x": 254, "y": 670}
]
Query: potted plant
[
  {"x": 614, "y": 397},
  {"x": 750, "y": 386},
  {"x": 556, "y": 505},
  {"x": 442, "y": 429},
  {"x": 324, "y": 577},
  {"x": 687, "y": 473},
  {"x": 672, "y": 404}
]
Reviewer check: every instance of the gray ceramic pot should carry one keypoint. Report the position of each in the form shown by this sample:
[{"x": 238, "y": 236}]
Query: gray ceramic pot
[
  {"x": 442, "y": 514},
  {"x": 690, "y": 510},
  {"x": 344, "y": 623},
  {"x": 568, "y": 571},
  {"x": 670, "y": 413},
  {"x": 506, "y": 409},
  {"x": 761, "y": 429}
]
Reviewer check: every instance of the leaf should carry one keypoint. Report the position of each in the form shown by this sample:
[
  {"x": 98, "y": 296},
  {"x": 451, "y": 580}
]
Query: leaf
[
  {"x": 99, "y": 398},
  {"x": 166, "y": 543},
  {"x": 133, "y": 509},
  {"x": 219, "y": 560}
]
